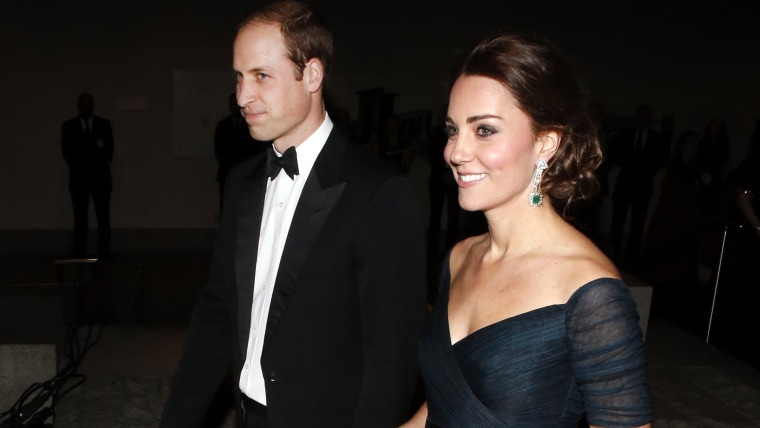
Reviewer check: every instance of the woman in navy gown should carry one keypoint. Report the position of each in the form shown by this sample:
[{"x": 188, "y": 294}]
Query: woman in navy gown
[{"x": 533, "y": 326}]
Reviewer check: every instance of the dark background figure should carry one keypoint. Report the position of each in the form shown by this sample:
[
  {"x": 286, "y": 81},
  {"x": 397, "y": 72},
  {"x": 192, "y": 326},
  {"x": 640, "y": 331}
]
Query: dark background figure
[
  {"x": 736, "y": 316},
  {"x": 442, "y": 190},
  {"x": 714, "y": 153},
  {"x": 713, "y": 157},
  {"x": 670, "y": 248},
  {"x": 394, "y": 146},
  {"x": 87, "y": 145},
  {"x": 343, "y": 122},
  {"x": 232, "y": 144},
  {"x": 639, "y": 152}
]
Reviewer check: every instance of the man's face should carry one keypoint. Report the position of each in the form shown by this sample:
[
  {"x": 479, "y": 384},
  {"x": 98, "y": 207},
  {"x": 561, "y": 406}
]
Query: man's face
[
  {"x": 274, "y": 103},
  {"x": 85, "y": 104}
]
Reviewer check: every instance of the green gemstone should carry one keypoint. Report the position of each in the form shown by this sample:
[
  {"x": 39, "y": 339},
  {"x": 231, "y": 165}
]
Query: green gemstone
[{"x": 536, "y": 199}]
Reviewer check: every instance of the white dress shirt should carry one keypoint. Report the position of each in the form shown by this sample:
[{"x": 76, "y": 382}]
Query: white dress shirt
[{"x": 280, "y": 203}]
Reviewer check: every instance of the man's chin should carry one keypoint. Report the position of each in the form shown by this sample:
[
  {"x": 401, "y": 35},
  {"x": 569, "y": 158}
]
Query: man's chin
[{"x": 258, "y": 133}]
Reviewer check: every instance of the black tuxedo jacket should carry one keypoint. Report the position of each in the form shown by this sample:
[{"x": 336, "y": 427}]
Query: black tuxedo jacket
[
  {"x": 340, "y": 348},
  {"x": 89, "y": 160}
]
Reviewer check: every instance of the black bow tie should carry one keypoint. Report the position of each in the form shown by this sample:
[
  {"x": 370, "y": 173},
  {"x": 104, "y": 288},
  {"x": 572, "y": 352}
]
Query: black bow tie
[{"x": 287, "y": 161}]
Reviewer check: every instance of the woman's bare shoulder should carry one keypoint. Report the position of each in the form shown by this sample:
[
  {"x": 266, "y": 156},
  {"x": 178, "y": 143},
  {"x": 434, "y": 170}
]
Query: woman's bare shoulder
[
  {"x": 463, "y": 250},
  {"x": 587, "y": 265},
  {"x": 579, "y": 262}
]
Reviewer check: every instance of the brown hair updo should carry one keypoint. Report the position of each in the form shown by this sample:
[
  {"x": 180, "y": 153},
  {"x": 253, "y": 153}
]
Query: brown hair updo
[{"x": 545, "y": 87}]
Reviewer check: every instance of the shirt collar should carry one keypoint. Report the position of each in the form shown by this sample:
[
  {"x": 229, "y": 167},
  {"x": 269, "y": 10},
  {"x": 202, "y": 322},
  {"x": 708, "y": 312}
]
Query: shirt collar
[{"x": 309, "y": 150}]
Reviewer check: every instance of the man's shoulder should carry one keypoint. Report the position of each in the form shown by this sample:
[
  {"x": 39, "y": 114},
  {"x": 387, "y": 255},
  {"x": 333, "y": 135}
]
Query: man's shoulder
[
  {"x": 100, "y": 119},
  {"x": 70, "y": 122}
]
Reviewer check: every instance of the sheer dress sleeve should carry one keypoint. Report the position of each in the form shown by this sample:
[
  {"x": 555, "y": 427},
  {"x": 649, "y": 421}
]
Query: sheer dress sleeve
[{"x": 607, "y": 354}]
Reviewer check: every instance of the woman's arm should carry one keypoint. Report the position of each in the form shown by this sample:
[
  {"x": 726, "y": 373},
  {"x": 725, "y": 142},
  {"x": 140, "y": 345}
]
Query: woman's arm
[{"x": 418, "y": 420}]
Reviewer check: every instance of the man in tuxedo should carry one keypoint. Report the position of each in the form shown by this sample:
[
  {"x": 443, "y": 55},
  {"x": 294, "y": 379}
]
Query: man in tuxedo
[
  {"x": 87, "y": 145},
  {"x": 639, "y": 152},
  {"x": 316, "y": 294}
]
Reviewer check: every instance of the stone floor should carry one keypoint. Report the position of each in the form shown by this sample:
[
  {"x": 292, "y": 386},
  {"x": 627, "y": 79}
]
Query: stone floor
[
  {"x": 137, "y": 306},
  {"x": 128, "y": 378}
]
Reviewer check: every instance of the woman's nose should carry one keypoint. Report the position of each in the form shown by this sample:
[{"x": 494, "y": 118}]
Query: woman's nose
[{"x": 457, "y": 152}]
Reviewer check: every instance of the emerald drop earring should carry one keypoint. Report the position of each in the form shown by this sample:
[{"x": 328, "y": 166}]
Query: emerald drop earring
[{"x": 536, "y": 199}]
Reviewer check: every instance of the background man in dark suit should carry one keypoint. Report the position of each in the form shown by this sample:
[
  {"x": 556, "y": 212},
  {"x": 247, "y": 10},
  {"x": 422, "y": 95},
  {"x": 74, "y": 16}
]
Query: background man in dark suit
[
  {"x": 316, "y": 296},
  {"x": 87, "y": 145},
  {"x": 639, "y": 152},
  {"x": 232, "y": 144}
]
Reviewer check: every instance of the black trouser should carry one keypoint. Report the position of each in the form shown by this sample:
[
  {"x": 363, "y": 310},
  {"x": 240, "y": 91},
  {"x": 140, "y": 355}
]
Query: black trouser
[
  {"x": 639, "y": 207},
  {"x": 80, "y": 199}
]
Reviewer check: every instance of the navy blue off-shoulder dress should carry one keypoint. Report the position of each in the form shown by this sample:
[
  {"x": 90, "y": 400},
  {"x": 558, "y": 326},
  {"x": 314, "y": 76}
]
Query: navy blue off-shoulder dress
[{"x": 544, "y": 368}]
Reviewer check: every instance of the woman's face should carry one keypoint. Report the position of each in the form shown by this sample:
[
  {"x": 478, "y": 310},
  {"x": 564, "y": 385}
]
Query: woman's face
[{"x": 491, "y": 149}]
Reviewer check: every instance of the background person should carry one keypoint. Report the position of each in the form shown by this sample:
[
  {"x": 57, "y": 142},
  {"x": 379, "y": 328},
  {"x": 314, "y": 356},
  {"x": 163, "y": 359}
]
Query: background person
[
  {"x": 639, "y": 152},
  {"x": 232, "y": 144},
  {"x": 87, "y": 146}
]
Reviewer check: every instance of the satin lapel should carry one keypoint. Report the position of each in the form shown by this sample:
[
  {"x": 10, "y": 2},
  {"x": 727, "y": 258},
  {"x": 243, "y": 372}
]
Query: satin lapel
[
  {"x": 320, "y": 193},
  {"x": 248, "y": 229}
]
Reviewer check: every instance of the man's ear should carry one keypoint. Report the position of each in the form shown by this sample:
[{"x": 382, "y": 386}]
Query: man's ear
[
  {"x": 548, "y": 144},
  {"x": 314, "y": 74}
]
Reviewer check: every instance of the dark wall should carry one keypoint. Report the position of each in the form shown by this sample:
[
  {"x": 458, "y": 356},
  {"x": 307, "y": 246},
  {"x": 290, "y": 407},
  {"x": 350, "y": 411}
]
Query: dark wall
[{"x": 696, "y": 60}]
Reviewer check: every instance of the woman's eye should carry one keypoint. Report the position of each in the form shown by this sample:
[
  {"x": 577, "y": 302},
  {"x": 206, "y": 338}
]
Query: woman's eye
[
  {"x": 450, "y": 130},
  {"x": 485, "y": 131}
]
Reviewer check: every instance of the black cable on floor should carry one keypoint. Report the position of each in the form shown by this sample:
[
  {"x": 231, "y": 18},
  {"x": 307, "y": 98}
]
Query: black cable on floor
[{"x": 28, "y": 410}]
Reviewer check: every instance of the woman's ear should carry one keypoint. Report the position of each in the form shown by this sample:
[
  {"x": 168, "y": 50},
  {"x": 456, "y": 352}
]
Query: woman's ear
[
  {"x": 314, "y": 74},
  {"x": 548, "y": 144}
]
